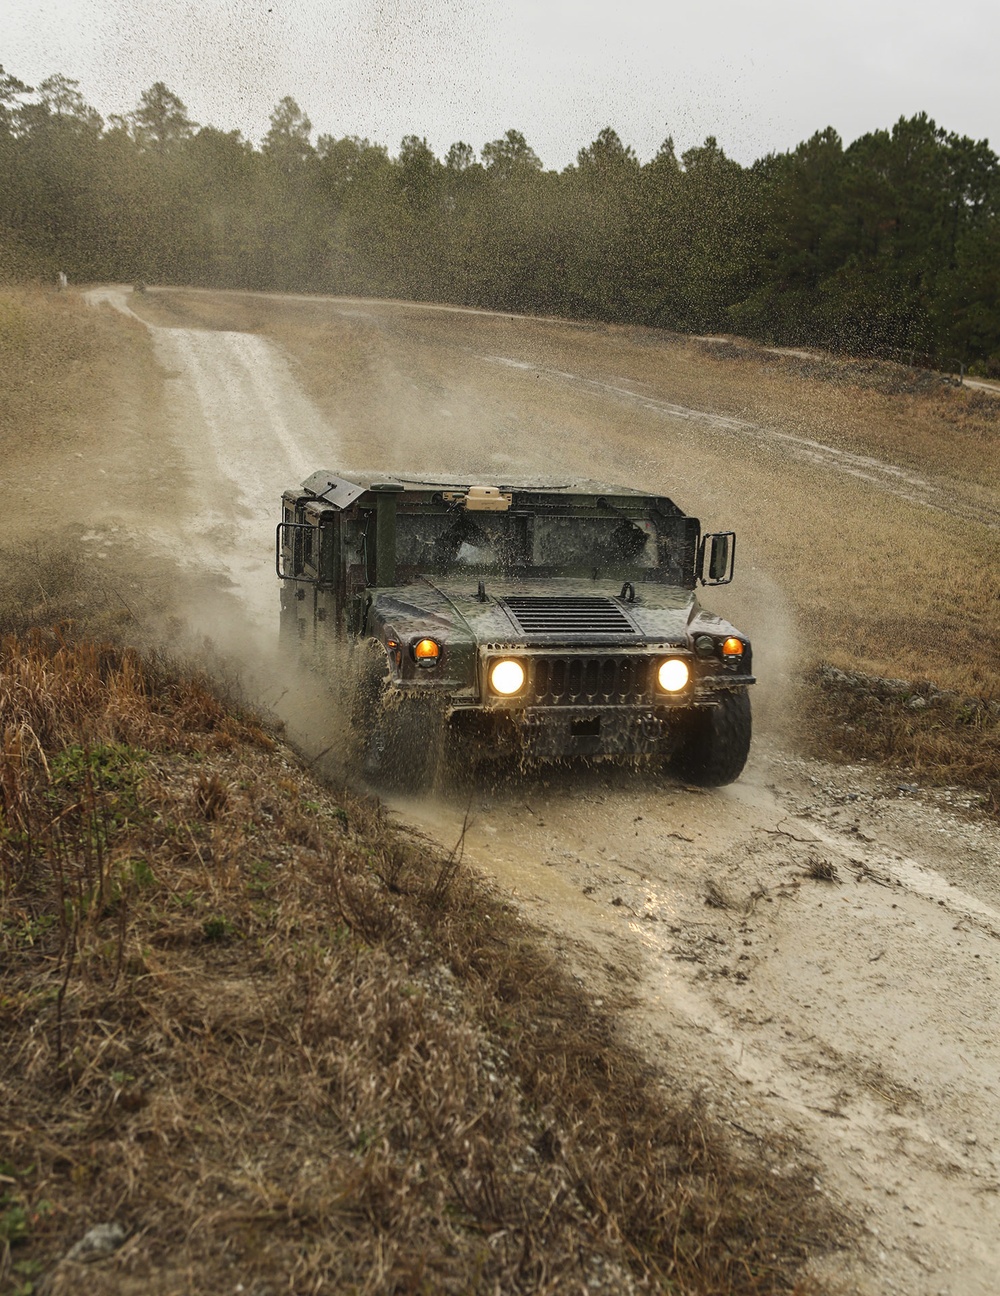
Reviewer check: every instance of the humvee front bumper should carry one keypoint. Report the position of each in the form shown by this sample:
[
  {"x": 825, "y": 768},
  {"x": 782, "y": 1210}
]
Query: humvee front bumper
[{"x": 550, "y": 732}]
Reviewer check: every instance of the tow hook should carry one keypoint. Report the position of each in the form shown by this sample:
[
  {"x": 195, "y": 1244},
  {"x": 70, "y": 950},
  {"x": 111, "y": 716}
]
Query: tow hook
[{"x": 650, "y": 726}]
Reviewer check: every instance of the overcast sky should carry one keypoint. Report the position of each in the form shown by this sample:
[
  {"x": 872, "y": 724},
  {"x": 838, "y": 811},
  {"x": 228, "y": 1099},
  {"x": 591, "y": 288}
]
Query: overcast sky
[{"x": 760, "y": 75}]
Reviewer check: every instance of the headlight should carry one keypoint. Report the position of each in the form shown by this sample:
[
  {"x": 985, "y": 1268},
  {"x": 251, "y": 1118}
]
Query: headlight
[
  {"x": 673, "y": 675},
  {"x": 507, "y": 677}
]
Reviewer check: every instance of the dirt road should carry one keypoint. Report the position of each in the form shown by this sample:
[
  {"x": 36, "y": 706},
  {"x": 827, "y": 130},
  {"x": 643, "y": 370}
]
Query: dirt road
[{"x": 817, "y": 949}]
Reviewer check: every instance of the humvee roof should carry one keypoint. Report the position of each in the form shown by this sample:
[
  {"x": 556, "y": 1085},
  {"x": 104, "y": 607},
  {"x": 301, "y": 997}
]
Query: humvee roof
[{"x": 342, "y": 489}]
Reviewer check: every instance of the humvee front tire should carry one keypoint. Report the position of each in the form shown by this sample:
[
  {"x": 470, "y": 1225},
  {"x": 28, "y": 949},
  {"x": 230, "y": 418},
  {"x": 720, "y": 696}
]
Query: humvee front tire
[
  {"x": 715, "y": 742},
  {"x": 397, "y": 735}
]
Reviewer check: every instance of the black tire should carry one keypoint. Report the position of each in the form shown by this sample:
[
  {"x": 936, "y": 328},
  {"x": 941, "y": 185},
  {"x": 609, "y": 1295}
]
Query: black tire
[
  {"x": 715, "y": 743},
  {"x": 398, "y": 737}
]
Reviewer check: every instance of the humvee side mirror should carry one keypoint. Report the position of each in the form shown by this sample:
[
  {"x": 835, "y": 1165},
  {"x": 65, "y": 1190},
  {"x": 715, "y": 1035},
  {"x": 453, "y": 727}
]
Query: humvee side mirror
[{"x": 717, "y": 554}]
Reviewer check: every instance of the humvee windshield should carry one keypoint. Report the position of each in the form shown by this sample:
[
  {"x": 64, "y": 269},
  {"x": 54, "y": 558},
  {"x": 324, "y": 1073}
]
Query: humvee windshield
[{"x": 513, "y": 543}]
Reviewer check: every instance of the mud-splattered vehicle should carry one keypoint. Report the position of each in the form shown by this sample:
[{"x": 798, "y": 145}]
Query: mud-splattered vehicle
[{"x": 541, "y": 622}]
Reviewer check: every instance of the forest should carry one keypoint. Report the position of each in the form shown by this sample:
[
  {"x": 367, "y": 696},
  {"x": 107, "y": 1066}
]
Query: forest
[{"x": 888, "y": 246}]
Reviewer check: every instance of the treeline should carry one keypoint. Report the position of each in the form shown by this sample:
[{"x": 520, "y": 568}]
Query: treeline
[{"x": 888, "y": 246}]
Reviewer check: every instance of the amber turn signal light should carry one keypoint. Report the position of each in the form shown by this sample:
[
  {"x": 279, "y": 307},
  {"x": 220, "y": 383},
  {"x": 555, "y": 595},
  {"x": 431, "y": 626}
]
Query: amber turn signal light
[
  {"x": 732, "y": 648},
  {"x": 426, "y": 650}
]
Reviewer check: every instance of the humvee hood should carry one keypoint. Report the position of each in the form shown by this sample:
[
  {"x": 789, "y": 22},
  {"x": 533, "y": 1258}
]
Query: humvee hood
[{"x": 544, "y": 611}]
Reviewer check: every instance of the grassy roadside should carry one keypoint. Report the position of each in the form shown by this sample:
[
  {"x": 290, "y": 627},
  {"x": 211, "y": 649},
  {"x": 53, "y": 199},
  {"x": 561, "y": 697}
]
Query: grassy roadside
[
  {"x": 69, "y": 374},
  {"x": 46, "y": 357},
  {"x": 936, "y": 734},
  {"x": 279, "y": 1044}
]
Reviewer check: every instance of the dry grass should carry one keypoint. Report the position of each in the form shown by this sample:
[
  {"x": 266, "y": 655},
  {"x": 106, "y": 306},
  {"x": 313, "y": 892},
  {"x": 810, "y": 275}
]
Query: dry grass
[
  {"x": 821, "y": 870},
  {"x": 50, "y": 578},
  {"x": 940, "y": 735},
  {"x": 63, "y": 368},
  {"x": 285, "y": 1047},
  {"x": 79, "y": 422},
  {"x": 42, "y": 352}
]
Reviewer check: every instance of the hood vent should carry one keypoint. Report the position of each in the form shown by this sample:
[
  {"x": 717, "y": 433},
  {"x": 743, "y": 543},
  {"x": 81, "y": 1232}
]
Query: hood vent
[{"x": 568, "y": 616}]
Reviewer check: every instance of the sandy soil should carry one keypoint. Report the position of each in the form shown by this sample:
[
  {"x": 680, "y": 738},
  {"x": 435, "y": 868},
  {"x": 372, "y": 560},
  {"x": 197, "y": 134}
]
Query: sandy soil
[{"x": 816, "y": 948}]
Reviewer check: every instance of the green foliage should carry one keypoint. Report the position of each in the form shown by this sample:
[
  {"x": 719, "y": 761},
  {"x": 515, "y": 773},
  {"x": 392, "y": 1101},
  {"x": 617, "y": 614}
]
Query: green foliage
[
  {"x": 138, "y": 872},
  {"x": 888, "y": 246},
  {"x": 11, "y": 89},
  {"x": 107, "y": 765},
  {"x": 17, "y": 1220},
  {"x": 13, "y": 1220},
  {"x": 161, "y": 121},
  {"x": 217, "y": 928},
  {"x": 510, "y": 158}
]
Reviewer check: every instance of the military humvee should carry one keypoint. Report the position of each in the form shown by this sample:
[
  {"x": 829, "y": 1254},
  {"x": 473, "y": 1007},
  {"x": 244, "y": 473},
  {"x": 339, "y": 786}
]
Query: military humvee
[{"x": 538, "y": 621}]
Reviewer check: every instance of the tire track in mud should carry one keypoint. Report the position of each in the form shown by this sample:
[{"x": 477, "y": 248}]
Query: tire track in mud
[
  {"x": 241, "y": 377},
  {"x": 248, "y": 432}
]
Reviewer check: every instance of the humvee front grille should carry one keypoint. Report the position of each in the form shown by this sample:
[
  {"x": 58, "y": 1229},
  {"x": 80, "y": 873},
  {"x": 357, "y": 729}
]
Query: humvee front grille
[
  {"x": 575, "y": 615},
  {"x": 588, "y": 681}
]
